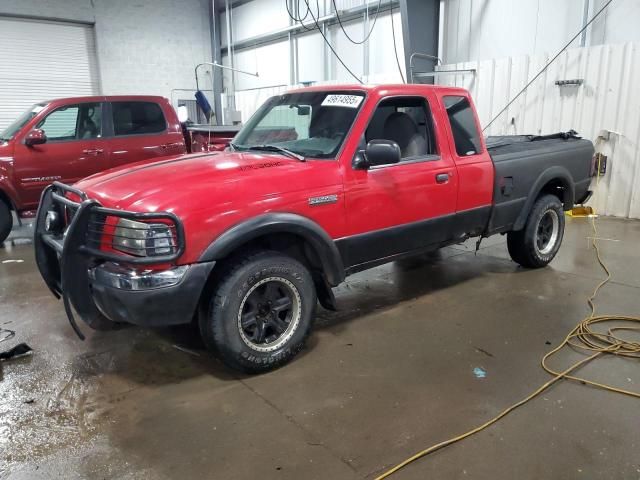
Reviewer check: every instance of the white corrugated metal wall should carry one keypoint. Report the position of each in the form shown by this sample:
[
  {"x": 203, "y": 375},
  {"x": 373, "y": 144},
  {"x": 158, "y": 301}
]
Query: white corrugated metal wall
[
  {"x": 609, "y": 99},
  {"x": 40, "y": 60}
]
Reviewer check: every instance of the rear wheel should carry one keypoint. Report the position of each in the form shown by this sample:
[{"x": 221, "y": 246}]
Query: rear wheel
[
  {"x": 6, "y": 221},
  {"x": 538, "y": 242},
  {"x": 261, "y": 312}
]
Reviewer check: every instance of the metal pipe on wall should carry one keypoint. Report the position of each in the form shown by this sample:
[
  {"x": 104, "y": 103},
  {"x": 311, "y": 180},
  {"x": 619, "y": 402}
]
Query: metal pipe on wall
[{"x": 585, "y": 19}]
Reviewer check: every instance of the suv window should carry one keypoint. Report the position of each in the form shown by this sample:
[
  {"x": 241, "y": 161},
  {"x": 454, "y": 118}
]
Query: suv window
[
  {"x": 73, "y": 122},
  {"x": 463, "y": 125},
  {"x": 137, "y": 118},
  {"x": 406, "y": 121}
]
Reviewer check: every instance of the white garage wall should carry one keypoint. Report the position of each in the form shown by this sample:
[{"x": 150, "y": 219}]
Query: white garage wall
[
  {"x": 42, "y": 60},
  {"x": 609, "y": 99},
  {"x": 144, "y": 47},
  {"x": 373, "y": 62},
  {"x": 483, "y": 29},
  {"x": 255, "y": 18},
  {"x": 271, "y": 61}
]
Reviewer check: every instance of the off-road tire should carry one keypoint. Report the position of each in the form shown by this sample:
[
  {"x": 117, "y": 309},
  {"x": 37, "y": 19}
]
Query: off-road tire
[
  {"x": 221, "y": 323},
  {"x": 6, "y": 221},
  {"x": 523, "y": 245}
]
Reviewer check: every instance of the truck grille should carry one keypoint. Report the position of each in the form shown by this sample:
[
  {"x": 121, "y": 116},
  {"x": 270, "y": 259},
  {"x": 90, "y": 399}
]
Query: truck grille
[{"x": 96, "y": 229}]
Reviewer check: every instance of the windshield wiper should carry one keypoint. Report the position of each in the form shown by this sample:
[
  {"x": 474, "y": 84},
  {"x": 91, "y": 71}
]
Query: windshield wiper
[{"x": 274, "y": 148}]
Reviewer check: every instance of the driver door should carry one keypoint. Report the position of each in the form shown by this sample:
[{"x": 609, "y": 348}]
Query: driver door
[
  {"x": 402, "y": 207},
  {"x": 74, "y": 150}
]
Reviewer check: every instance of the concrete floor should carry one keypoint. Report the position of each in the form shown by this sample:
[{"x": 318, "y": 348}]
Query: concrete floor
[{"x": 389, "y": 374}]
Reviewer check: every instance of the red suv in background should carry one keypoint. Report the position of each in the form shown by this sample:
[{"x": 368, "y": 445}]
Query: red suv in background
[{"x": 72, "y": 138}]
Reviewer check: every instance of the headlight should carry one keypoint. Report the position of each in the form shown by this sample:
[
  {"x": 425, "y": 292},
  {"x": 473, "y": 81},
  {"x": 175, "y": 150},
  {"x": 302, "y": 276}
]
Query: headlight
[{"x": 143, "y": 239}]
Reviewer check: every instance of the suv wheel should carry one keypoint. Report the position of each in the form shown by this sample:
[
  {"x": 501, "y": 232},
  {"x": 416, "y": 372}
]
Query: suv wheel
[
  {"x": 261, "y": 312},
  {"x": 538, "y": 242},
  {"x": 6, "y": 221}
]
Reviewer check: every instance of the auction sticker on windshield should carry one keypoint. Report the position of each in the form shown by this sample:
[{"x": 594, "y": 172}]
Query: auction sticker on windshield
[{"x": 349, "y": 101}]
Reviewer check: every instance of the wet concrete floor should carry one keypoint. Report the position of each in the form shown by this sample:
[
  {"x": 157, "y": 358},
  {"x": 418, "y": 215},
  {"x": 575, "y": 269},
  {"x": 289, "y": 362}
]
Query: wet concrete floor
[{"x": 389, "y": 374}]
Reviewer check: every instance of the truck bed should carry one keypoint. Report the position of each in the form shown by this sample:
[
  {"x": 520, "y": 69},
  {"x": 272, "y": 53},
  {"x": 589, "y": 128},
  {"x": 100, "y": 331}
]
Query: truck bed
[{"x": 523, "y": 162}]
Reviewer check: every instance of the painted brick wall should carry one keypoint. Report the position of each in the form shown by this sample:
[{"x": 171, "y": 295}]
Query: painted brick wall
[
  {"x": 73, "y": 10},
  {"x": 151, "y": 46},
  {"x": 144, "y": 46}
]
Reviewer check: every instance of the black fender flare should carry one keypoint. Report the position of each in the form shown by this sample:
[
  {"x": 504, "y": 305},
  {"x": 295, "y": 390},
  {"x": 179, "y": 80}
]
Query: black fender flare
[
  {"x": 556, "y": 173},
  {"x": 270, "y": 223}
]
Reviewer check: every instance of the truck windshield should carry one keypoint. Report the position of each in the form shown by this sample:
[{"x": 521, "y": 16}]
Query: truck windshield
[
  {"x": 11, "y": 130},
  {"x": 310, "y": 124}
]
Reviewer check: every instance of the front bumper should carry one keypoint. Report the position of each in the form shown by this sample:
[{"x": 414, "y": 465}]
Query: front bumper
[
  {"x": 93, "y": 281},
  {"x": 129, "y": 297}
]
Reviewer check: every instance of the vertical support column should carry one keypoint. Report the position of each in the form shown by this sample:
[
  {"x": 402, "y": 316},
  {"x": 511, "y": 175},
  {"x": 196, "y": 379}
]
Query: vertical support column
[
  {"x": 366, "y": 26},
  {"x": 585, "y": 19},
  {"x": 231, "y": 89},
  {"x": 293, "y": 60},
  {"x": 326, "y": 54},
  {"x": 217, "y": 57},
  {"x": 420, "y": 25}
]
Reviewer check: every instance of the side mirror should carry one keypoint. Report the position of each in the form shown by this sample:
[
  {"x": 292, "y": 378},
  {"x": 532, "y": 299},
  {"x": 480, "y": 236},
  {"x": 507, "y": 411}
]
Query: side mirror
[
  {"x": 35, "y": 137},
  {"x": 380, "y": 152}
]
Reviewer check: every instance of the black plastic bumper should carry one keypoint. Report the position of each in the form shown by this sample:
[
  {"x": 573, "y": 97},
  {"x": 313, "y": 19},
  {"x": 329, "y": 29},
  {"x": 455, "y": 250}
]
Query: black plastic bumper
[
  {"x": 153, "y": 307},
  {"x": 66, "y": 254}
]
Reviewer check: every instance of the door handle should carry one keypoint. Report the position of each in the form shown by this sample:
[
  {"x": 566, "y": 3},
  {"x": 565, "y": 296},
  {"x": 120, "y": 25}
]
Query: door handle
[
  {"x": 442, "y": 178},
  {"x": 93, "y": 151}
]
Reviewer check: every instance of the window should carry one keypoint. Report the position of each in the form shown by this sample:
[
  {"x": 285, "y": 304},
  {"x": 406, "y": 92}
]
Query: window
[
  {"x": 463, "y": 125},
  {"x": 406, "y": 121},
  {"x": 312, "y": 124},
  {"x": 293, "y": 122},
  {"x": 73, "y": 122},
  {"x": 15, "y": 127},
  {"x": 137, "y": 118}
]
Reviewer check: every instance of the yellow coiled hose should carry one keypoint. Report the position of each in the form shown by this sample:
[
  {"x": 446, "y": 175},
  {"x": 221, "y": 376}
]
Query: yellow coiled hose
[{"x": 583, "y": 337}]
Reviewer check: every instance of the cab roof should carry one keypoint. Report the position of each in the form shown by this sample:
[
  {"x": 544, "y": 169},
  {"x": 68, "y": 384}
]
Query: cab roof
[
  {"x": 107, "y": 98},
  {"x": 381, "y": 89}
]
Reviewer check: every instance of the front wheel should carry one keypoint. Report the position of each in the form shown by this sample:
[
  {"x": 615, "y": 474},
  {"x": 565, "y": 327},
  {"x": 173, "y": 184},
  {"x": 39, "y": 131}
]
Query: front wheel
[
  {"x": 261, "y": 312},
  {"x": 538, "y": 242},
  {"x": 6, "y": 221}
]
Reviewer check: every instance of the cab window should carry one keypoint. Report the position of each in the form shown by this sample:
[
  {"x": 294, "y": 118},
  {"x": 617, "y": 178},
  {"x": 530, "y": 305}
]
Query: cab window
[
  {"x": 73, "y": 122},
  {"x": 406, "y": 121}
]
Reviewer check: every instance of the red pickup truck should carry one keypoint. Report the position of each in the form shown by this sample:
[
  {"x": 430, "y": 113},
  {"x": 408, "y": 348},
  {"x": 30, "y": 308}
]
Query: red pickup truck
[
  {"x": 321, "y": 183},
  {"x": 72, "y": 138}
]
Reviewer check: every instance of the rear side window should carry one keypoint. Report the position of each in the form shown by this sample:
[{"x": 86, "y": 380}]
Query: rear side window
[
  {"x": 463, "y": 125},
  {"x": 137, "y": 118}
]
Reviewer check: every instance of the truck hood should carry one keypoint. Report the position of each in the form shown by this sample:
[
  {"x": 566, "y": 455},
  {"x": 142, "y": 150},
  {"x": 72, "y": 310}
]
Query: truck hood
[{"x": 193, "y": 182}]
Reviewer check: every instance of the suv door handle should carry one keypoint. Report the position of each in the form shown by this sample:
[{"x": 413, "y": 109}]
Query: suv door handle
[
  {"x": 93, "y": 151},
  {"x": 442, "y": 178}
]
